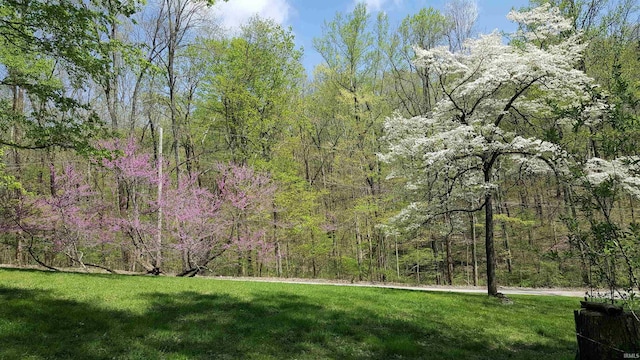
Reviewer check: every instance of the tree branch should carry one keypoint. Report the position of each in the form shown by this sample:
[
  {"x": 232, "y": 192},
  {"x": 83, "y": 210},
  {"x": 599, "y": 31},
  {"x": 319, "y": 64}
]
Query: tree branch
[
  {"x": 452, "y": 211},
  {"x": 515, "y": 97},
  {"x": 33, "y": 147}
]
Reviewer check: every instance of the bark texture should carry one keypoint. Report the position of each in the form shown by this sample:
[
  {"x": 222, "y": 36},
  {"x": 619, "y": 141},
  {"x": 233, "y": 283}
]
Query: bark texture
[{"x": 604, "y": 336}]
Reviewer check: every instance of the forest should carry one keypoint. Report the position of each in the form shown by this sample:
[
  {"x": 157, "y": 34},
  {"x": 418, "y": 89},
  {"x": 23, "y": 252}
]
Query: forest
[{"x": 142, "y": 137}]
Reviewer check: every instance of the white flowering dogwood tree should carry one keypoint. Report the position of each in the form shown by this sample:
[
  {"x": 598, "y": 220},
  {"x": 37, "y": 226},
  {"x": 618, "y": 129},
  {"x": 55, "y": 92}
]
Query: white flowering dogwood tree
[{"x": 491, "y": 93}]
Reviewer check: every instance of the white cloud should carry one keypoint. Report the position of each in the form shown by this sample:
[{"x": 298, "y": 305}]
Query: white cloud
[
  {"x": 378, "y": 5},
  {"x": 235, "y": 13}
]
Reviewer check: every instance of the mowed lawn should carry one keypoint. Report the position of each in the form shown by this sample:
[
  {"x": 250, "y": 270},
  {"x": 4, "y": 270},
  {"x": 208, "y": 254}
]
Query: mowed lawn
[{"x": 46, "y": 315}]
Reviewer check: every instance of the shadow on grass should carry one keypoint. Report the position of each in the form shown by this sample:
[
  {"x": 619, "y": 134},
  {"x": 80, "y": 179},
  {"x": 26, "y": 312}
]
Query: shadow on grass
[
  {"x": 188, "y": 325},
  {"x": 35, "y": 324}
]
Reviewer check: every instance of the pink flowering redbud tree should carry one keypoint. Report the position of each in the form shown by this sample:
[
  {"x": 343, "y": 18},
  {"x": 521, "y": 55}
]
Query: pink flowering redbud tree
[
  {"x": 135, "y": 217},
  {"x": 198, "y": 224},
  {"x": 206, "y": 223},
  {"x": 191, "y": 220},
  {"x": 68, "y": 222}
]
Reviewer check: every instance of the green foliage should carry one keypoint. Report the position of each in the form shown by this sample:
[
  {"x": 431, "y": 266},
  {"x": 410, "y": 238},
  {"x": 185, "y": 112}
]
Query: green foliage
[
  {"x": 426, "y": 28},
  {"x": 421, "y": 256},
  {"x": 345, "y": 47},
  {"x": 611, "y": 245},
  {"x": 51, "y": 49},
  {"x": 250, "y": 86},
  {"x": 413, "y": 86},
  {"x": 621, "y": 132},
  {"x": 513, "y": 220},
  {"x": 8, "y": 182}
]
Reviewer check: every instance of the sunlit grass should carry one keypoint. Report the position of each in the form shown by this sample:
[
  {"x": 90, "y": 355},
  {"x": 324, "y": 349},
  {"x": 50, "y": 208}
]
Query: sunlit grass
[{"x": 47, "y": 315}]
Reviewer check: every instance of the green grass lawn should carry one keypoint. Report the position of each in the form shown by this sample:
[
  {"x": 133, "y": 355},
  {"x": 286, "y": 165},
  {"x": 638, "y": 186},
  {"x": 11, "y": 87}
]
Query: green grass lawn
[{"x": 47, "y": 315}]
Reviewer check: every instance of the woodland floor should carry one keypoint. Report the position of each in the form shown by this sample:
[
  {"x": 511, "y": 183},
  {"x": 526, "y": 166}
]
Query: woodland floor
[{"x": 47, "y": 315}]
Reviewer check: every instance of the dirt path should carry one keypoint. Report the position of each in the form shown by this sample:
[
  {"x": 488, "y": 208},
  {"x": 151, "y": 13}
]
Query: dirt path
[{"x": 454, "y": 289}]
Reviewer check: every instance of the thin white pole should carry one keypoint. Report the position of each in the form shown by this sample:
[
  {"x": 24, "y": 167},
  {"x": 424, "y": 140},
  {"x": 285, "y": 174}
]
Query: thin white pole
[{"x": 159, "y": 244}]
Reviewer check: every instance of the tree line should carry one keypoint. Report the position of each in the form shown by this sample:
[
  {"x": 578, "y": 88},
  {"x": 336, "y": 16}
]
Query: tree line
[{"x": 410, "y": 144}]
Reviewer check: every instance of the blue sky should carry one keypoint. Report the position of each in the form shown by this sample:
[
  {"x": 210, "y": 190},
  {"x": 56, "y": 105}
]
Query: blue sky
[{"x": 307, "y": 17}]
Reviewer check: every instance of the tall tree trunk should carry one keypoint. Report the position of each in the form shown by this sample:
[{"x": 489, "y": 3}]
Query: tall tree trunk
[
  {"x": 370, "y": 241},
  {"x": 158, "y": 252},
  {"x": 524, "y": 196},
  {"x": 175, "y": 12},
  {"x": 448, "y": 252},
  {"x": 52, "y": 173},
  {"x": 492, "y": 286},
  {"x": 434, "y": 248},
  {"x": 250, "y": 264},
  {"x": 633, "y": 213},
  {"x": 18, "y": 109},
  {"x": 111, "y": 94},
  {"x": 584, "y": 257},
  {"x": 335, "y": 254},
  {"x": 474, "y": 255},
  {"x": 505, "y": 236},
  {"x": 313, "y": 256},
  {"x": 397, "y": 257},
  {"x": 447, "y": 243},
  {"x": 382, "y": 257},
  {"x": 278, "y": 253},
  {"x": 359, "y": 250},
  {"x": 418, "y": 263},
  {"x": 538, "y": 205}
]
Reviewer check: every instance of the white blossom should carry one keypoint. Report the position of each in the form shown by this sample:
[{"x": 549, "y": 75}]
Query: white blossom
[
  {"x": 623, "y": 171},
  {"x": 542, "y": 22},
  {"x": 486, "y": 87}
]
